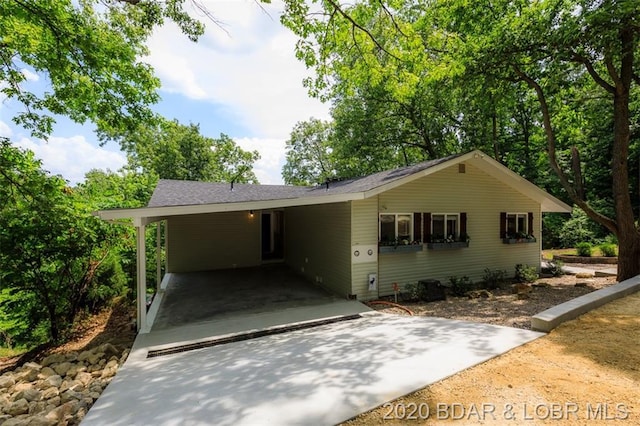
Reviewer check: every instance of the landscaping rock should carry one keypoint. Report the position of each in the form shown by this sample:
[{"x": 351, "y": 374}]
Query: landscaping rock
[
  {"x": 84, "y": 378},
  {"x": 46, "y": 372},
  {"x": 521, "y": 289},
  {"x": 62, "y": 368},
  {"x": 584, "y": 275},
  {"x": 6, "y": 381},
  {"x": 581, "y": 284},
  {"x": 28, "y": 394},
  {"x": 18, "y": 407},
  {"x": 17, "y": 421},
  {"x": 50, "y": 393},
  {"x": 479, "y": 294},
  {"x": 541, "y": 284},
  {"x": 53, "y": 359},
  {"x": 51, "y": 381},
  {"x": 41, "y": 421},
  {"x": 59, "y": 390}
]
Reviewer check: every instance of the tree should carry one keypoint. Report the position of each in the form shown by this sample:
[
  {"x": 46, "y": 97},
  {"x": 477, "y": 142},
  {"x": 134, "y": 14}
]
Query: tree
[
  {"x": 53, "y": 248},
  {"x": 171, "y": 150},
  {"x": 309, "y": 153},
  {"x": 559, "y": 50},
  {"x": 90, "y": 52}
]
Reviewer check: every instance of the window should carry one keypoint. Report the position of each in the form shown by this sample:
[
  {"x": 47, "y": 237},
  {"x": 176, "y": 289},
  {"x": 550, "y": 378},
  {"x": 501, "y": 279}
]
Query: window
[
  {"x": 516, "y": 225},
  {"x": 445, "y": 227},
  {"x": 395, "y": 227}
]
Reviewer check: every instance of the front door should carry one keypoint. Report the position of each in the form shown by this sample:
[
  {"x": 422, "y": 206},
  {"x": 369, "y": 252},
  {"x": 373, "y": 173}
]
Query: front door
[{"x": 272, "y": 229}]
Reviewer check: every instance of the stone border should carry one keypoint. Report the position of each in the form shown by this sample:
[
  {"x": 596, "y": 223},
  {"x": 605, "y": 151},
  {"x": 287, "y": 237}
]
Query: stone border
[
  {"x": 583, "y": 259},
  {"x": 551, "y": 318}
]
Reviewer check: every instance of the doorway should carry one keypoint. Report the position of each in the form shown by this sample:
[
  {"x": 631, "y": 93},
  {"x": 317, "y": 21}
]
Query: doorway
[{"x": 272, "y": 230}]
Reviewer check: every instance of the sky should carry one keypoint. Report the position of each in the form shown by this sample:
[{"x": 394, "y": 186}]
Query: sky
[{"x": 243, "y": 81}]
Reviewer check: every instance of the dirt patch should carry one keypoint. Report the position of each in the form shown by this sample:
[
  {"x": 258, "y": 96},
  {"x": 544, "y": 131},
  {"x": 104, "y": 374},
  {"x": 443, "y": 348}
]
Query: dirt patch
[
  {"x": 587, "y": 371},
  {"x": 112, "y": 325},
  {"x": 504, "y": 307}
]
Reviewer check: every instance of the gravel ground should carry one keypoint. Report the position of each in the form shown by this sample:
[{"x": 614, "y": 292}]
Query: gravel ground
[{"x": 506, "y": 308}]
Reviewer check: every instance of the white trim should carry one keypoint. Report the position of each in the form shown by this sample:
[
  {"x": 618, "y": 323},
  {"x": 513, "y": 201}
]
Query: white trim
[
  {"x": 526, "y": 221},
  {"x": 457, "y": 235},
  {"x": 412, "y": 237}
]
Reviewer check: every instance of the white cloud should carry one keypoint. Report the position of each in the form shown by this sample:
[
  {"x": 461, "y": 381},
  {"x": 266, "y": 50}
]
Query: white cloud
[
  {"x": 30, "y": 75},
  {"x": 5, "y": 130},
  {"x": 72, "y": 157},
  {"x": 252, "y": 70},
  {"x": 272, "y": 157}
]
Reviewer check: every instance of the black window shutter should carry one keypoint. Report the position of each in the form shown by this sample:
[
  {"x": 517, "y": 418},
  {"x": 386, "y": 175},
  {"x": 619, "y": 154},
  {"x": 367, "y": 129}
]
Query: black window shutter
[
  {"x": 426, "y": 229},
  {"x": 417, "y": 226},
  {"x": 503, "y": 224},
  {"x": 463, "y": 224},
  {"x": 530, "y": 223}
]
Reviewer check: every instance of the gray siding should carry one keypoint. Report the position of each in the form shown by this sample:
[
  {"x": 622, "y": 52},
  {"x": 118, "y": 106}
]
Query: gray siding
[
  {"x": 317, "y": 244},
  {"x": 212, "y": 241},
  {"x": 483, "y": 198}
]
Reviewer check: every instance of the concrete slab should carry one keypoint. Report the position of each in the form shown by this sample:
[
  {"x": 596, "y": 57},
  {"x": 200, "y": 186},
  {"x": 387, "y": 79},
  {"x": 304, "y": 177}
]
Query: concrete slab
[
  {"x": 553, "y": 317},
  {"x": 318, "y": 376},
  {"x": 194, "y": 297}
]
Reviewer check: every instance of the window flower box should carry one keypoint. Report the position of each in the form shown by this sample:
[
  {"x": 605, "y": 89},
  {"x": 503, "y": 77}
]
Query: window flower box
[
  {"x": 401, "y": 248},
  {"x": 519, "y": 240},
  {"x": 448, "y": 246}
]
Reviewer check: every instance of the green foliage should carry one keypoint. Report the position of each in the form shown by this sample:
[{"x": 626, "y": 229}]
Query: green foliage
[
  {"x": 526, "y": 273},
  {"x": 607, "y": 250},
  {"x": 52, "y": 247},
  {"x": 528, "y": 82},
  {"x": 494, "y": 279},
  {"x": 90, "y": 54},
  {"x": 579, "y": 228},
  {"x": 412, "y": 292},
  {"x": 584, "y": 249},
  {"x": 554, "y": 267},
  {"x": 460, "y": 286},
  {"x": 309, "y": 153},
  {"x": 170, "y": 150}
]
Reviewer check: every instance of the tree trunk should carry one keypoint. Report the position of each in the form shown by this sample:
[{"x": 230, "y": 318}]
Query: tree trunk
[{"x": 626, "y": 231}]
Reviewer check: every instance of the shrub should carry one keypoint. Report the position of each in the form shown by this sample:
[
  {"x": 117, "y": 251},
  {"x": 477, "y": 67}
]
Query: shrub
[
  {"x": 494, "y": 279},
  {"x": 526, "y": 273},
  {"x": 460, "y": 286},
  {"x": 584, "y": 249},
  {"x": 412, "y": 292},
  {"x": 554, "y": 267},
  {"x": 608, "y": 250}
]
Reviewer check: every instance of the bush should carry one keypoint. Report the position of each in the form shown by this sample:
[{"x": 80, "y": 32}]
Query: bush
[
  {"x": 412, "y": 292},
  {"x": 555, "y": 268},
  {"x": 608, "y": 250},
  {"x": 494, "y": 279},
  {"x": 526, "y": 273},
  {"x": 584, "y": 249},
  {"x": 460, "y": 286}
]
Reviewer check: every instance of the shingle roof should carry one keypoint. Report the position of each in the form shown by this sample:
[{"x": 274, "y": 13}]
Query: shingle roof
[{"x": 185, "y": 193}]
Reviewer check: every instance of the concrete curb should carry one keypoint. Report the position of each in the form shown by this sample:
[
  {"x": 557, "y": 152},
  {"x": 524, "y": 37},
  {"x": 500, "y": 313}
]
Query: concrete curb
[{"x": 551, "y": 318}]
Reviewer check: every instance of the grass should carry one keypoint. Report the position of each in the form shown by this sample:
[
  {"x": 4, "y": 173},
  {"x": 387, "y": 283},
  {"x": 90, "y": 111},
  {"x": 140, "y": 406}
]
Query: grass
[
  {"x": 548, "y": 254},
  {"x": 11, "y": 352}
]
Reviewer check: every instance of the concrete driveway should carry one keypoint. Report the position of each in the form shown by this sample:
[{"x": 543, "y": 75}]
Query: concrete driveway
[{"x": 320, "y": 376}]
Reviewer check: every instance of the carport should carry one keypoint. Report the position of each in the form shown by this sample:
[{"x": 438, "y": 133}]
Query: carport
[{"x": 192, "y": 298}]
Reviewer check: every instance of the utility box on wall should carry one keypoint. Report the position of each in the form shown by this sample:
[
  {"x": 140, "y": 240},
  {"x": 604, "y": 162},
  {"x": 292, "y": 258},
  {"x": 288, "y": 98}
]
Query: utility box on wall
[{"x": 373, "y": 282}]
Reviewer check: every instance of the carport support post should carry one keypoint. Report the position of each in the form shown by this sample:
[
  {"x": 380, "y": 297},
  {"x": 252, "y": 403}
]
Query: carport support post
[
  {"x": 158, "y": 257},
  {"x": 141, "y": 267}
]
